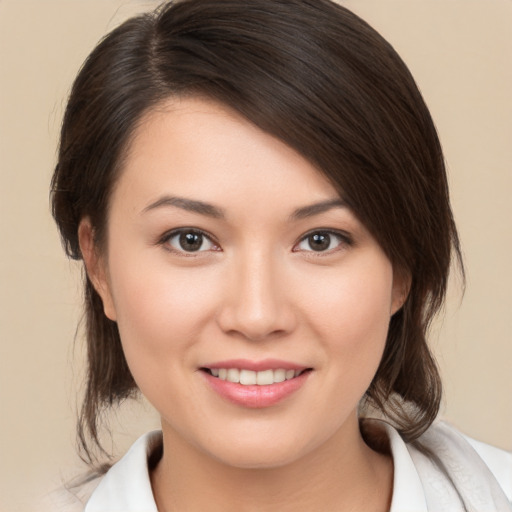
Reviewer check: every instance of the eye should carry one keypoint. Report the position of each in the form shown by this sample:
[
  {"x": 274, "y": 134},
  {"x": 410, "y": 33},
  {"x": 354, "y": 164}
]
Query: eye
[
  {"x": 322, "y": 241},
  {"x": 189, "y": 241}
]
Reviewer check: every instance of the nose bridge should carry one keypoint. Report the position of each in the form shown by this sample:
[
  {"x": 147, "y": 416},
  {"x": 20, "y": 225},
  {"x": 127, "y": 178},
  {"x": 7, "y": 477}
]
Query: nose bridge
[{"x": 257, "y": 304}]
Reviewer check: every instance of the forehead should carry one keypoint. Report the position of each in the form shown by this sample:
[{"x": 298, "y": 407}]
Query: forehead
[{"x": 199, "y": 148}]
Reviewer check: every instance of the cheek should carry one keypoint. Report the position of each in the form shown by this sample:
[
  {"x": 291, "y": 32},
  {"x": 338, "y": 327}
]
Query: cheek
[
  {"x": 350, "y": 313},
  {"x": 356, "y": 299},
  {"x": 160, "y": 312}
]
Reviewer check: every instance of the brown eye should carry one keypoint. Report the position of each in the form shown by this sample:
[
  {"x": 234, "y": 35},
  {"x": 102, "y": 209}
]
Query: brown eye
[
  {"x": 319, "y": 241},
  {"x": 322, "y": 241},
  {"x": 190, "y": 241}
]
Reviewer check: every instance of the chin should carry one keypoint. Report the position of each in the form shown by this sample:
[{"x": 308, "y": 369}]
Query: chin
[
  {"x": 267, "y": 449},
  {"x": 258, "y": 457}
]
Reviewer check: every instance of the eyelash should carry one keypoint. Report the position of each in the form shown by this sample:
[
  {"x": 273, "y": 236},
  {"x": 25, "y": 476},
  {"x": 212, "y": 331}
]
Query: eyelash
[
  {"x": 167, "y": 237},
  {"x": 343, "y": 239}
]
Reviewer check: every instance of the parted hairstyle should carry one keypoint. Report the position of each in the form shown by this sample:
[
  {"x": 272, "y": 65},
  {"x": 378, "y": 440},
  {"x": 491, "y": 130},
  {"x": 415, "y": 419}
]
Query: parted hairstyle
[{"x": 317, "y": 77}]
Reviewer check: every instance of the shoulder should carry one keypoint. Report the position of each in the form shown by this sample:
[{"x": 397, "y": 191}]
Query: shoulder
[
  {"x": 71, "y": 496},
  {"x": 477, "y": 471},
  {"x": 498, "y": 461},
  {"x": 127, "y": 484},
  {"x": 445, "y": 470}
]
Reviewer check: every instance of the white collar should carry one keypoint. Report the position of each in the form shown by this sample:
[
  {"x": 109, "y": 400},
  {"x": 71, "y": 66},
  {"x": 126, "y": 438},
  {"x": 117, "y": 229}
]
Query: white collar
[
  {"x": 408, "y": 494},
  {"x": 127, "y": 487}
]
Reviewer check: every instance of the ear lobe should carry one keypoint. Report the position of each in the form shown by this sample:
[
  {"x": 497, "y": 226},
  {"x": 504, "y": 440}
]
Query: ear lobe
[
  {"x": 95, "y": 266},
  {"x": 401, "y": 289}
]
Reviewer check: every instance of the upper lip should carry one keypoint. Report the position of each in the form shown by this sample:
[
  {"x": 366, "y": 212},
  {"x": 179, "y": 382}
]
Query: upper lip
[{"x": 257, "y": 366}]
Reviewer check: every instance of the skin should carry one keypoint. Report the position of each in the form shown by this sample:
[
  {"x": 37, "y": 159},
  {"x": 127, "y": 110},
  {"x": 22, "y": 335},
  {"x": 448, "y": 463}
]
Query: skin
[{"x": 256, "y": 289}]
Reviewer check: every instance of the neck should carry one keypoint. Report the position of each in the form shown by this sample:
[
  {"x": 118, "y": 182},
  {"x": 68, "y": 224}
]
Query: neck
[{"x": 342, "y": 474}]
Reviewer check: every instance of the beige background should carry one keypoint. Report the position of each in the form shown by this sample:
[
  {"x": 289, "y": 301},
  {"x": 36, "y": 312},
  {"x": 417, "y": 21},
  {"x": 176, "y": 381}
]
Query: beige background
[{"x": 460, "y": 52}]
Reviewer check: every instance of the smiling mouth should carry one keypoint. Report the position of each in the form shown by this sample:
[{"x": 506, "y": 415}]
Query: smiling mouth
[{"x": 254, "y": 378}]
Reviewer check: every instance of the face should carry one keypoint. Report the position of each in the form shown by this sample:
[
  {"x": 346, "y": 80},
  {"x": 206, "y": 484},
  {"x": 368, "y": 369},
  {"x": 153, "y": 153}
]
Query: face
[{"x": 253, "y": 306}]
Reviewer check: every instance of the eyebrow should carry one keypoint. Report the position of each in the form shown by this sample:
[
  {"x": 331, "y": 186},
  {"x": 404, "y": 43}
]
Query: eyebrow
[
  {"x": 317, "y": 208},
  {"x": 190, "y": 205},
  {"x": 210, "y": 210}
]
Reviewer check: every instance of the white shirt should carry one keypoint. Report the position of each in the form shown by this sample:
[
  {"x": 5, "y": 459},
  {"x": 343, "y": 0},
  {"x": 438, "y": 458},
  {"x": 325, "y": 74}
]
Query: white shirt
[{"x": 467, "y": 475}]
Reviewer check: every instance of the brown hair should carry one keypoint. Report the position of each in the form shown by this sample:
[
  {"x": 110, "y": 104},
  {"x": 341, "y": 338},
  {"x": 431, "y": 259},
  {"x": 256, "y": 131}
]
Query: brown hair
[{"x": 314, "y": 75}]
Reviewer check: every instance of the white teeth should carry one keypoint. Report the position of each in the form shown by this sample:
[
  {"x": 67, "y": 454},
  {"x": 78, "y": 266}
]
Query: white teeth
[
  {"x": 279, "y": 375},
  {"x": 247, "y": 377},
  {"x": 265, "y": 378},
  {"x": 233, "y": 375},
  {"x": 251, "y": 378}
]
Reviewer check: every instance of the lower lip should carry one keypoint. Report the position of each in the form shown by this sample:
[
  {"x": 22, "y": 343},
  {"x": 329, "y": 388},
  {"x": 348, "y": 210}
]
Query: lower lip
[{"x": 256, "y": 397}]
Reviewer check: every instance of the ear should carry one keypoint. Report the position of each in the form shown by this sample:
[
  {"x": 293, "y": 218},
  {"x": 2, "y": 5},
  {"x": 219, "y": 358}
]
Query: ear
[
  {"x": 401, "y": 289},
  {"x": 95, "y": 266}
]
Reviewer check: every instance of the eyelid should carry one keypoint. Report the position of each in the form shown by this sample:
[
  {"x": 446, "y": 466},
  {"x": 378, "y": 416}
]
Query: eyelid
[
  {"x": 168, "y": 235},
  {"x": 343, "y": 237}
]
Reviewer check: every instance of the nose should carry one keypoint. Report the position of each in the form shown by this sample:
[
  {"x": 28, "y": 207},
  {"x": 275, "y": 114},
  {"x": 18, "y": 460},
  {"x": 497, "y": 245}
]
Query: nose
[{"x": 257, "y": 302}]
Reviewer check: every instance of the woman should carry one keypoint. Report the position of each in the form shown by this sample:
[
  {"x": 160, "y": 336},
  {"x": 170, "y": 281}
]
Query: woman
[{"x": 259, "y": 196}]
